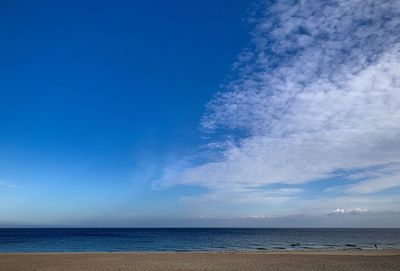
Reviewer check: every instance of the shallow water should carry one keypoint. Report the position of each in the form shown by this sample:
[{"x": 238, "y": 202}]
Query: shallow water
[{"x": 194, "y": 239}]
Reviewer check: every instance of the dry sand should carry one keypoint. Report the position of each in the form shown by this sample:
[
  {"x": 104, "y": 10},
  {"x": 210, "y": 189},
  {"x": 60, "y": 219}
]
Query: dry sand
[{"x": 277, "y": 261}]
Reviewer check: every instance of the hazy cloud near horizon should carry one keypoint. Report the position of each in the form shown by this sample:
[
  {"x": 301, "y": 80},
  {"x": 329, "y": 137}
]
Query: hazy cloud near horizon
[{"x": 317, "y": 99}]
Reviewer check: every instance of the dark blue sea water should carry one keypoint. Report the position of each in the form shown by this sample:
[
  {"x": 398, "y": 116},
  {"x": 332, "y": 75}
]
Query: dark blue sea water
[{"x": 194, "y": 239}]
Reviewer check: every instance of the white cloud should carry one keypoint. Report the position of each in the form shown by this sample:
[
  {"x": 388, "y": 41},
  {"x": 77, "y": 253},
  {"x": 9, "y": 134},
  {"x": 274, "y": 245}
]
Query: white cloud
[
  {"x": 318, "y": 91},
  {"x": 349, "y": 211}
]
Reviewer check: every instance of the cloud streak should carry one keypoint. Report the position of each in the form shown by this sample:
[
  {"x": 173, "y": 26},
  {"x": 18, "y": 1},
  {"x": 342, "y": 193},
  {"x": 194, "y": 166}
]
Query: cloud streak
[
  {"x": 318, "y": 91},
  {"x": 8, "y": 185}
]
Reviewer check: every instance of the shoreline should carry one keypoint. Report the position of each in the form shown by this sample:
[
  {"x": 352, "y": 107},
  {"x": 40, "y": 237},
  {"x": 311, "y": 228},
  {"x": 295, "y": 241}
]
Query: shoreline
[
  {"x": 278, "y": 251},
  {"x": 256, "y": 251}
]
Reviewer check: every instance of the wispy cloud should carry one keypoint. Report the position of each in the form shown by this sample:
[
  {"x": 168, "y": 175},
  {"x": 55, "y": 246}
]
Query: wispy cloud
[
  {"x": 318, "y": 91},
  {"x": 8, "y": 184}
]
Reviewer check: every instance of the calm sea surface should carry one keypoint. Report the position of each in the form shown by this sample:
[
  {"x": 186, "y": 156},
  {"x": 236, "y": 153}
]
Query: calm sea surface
[{"x": 193, "y": 239}]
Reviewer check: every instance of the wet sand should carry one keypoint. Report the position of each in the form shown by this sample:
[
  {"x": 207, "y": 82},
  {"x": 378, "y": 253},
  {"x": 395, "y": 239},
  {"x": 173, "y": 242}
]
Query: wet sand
[{"x": 279, "y": 261}]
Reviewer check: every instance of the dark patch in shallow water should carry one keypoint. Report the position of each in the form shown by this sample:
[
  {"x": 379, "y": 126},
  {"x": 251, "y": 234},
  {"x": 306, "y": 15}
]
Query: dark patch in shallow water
[{"x": 295, "y": 245}]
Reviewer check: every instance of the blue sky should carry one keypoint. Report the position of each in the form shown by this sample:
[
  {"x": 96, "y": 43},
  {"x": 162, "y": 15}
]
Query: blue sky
[{"x": 200, "y": 113}]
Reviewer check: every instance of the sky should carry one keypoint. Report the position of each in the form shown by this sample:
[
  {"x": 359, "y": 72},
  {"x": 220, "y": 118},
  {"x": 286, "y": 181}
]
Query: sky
[{"x": 200, "y": 113}]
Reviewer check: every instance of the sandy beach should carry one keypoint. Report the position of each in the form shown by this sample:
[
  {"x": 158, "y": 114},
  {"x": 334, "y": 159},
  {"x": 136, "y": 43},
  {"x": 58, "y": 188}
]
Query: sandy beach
[{"x": 335, "y": 260}]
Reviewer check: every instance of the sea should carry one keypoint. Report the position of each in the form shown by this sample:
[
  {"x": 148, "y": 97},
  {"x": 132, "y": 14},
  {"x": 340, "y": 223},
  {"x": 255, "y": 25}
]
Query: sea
[{"x": 194, "y": 239}]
